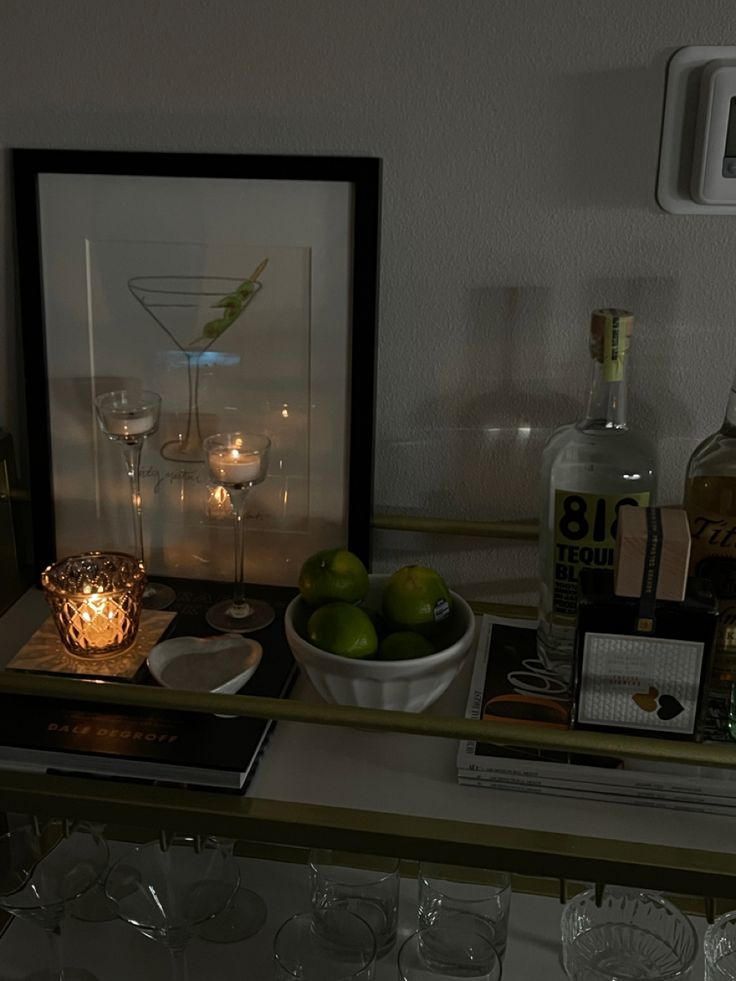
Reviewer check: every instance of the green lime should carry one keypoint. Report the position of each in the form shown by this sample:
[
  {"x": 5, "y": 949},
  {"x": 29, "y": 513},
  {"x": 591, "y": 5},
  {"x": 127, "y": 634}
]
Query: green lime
[
  {"x": 333, "y": 574},
  {"x": 404, "y": 645},
  {"x": 378, "y": 620},
  {"x": 416, "y": 598},
  {"x": 343, "y": 629}
]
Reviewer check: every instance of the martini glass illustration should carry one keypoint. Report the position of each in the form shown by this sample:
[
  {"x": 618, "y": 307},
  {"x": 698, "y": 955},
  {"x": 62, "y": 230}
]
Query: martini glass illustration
[
  {"x": 129, "y": 419},
  {"x": 42, "y": 873},
  {"x": 238, "y": 461},
  {"x": 193, "y": 312}
]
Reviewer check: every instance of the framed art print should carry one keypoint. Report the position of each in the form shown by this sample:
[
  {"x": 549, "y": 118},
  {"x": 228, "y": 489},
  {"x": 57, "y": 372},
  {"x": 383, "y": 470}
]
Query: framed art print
[{"x": 242, "y": 290}]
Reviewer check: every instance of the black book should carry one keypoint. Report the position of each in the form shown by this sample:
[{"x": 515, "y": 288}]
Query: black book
[{"x": 186, "y": 748}]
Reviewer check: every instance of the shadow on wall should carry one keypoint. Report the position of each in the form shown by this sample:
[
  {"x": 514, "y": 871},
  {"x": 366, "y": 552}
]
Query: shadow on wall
[
  {"x": 525, "y": 373},
  {"x": 494, "y": 411},
  {"x": 607, "y": 155}
]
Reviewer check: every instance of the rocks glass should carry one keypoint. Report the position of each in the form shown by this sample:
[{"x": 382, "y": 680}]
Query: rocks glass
[
  {"x": 365, "y": 885},
  {"x": 455, "y": 945},
  {"x": 483, "y": 893}
]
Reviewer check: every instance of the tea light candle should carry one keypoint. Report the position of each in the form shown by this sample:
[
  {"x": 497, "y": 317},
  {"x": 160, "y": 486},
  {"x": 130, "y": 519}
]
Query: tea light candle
[
  {"x": 129, "y": 423},
  {"x": 99, "y": 622},
  {"x": 232, "y": 466}
]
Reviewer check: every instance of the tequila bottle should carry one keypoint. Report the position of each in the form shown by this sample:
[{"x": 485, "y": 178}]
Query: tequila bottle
[
  {"x": 710, "y": 502},
  {"x": 590, "y": 468}
]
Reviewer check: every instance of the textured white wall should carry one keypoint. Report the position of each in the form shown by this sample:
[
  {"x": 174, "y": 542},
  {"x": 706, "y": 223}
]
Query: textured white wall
[{"x": 520, "y": 144}]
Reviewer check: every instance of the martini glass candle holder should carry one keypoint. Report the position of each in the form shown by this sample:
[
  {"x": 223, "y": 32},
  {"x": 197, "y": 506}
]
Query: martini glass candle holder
[
  {"x": 238, "y": 461},
  {"x": 129, "y": 419}
]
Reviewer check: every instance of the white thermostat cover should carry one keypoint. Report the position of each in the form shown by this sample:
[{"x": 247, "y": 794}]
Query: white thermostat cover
[{"x": 693, "y": 75}]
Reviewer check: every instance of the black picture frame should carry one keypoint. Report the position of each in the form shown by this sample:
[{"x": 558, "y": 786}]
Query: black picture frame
[{"x": 187, "y": 174}]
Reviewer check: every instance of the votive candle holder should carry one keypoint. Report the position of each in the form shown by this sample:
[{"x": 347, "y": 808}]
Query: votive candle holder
[{"x": 95, "y": 598}]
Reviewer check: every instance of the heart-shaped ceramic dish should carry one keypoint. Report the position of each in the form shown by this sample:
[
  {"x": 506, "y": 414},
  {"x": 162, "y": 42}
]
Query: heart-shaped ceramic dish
[{"x": 221, "y": 664}]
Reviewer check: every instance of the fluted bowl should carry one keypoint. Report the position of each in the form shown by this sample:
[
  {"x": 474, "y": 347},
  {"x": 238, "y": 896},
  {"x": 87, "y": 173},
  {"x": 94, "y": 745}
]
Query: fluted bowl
[{"x": 407, "y": 685}]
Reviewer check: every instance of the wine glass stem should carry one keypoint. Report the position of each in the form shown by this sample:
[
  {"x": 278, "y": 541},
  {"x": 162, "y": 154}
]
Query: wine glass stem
[
  {"x": 132, "y": 455},
  {"x": 53, "y": 950},
  {"x": 179, "y": 968},
  {"x": 239, "y": 496}
]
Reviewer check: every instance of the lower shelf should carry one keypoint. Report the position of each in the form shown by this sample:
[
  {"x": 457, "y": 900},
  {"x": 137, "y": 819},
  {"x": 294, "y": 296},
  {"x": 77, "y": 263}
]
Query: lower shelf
[{"x": 116, "y": 952}]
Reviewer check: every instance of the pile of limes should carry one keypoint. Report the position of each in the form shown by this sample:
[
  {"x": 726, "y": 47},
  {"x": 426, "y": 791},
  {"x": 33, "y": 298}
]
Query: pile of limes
[{"x": 414, "y": 608}]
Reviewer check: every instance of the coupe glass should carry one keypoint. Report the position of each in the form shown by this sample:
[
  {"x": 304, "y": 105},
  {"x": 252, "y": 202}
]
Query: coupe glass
[
  {"x": 238, "y": 461},
  {"x": 719, "y": 947},
  {"x": 42, "y": 873},
  {"x": 244, "y": 915},
  {"x": 194, "y": 311},
  {"x": 631, "y": 934},
  {"x": 167, "y": 893},
  {"x": 129, "y": 418}
]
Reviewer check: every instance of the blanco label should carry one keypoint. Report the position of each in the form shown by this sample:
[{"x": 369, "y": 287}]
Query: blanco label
[{"x": 640, "y": 682}]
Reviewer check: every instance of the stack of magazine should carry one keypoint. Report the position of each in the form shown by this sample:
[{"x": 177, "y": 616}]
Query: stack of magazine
[{"x": 511, "y": 684}]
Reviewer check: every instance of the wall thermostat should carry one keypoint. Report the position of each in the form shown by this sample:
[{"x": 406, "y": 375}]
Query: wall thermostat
[
  {"x": 697, "y": 154},
  {"x": 713, "y": 179}
]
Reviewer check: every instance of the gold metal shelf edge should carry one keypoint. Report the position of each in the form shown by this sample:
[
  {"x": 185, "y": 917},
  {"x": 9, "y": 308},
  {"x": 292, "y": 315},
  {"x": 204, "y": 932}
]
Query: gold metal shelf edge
[
  {"x": 377, "y": 720},
  {"x": 411, "y": 837},
  {"x": 513, "y": 530}
]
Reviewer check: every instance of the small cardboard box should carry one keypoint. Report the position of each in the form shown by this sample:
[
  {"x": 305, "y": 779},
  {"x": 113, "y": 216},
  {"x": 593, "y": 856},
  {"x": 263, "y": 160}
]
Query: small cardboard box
[{"x": 658, "y": 543}]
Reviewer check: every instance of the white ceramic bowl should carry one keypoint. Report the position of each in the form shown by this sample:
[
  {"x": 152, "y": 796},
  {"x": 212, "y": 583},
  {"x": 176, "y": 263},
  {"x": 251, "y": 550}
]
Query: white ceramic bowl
[
  {"x": 219, "y": 664},
  {"x": 410, "y": 685}
]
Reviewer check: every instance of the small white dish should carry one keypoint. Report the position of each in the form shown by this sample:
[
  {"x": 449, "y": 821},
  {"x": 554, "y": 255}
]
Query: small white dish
[{"x": 220, "y": 664}]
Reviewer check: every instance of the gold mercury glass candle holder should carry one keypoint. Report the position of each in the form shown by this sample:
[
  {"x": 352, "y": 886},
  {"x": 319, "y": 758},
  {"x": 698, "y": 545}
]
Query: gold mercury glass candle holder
[{"x": 96, "y": 598}]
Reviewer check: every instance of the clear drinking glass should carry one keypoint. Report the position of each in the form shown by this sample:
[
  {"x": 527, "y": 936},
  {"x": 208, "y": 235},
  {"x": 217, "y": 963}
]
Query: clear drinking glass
[
  {"x": 365, "y": 885},
  {"x": 42, "y": 873},
  {"x": 455, "y": 945},
  {"x": 166, "y": 893},
  {"x": 238, "y": 461},
  {"x": 326, "y": 945},
  {"x": 632, "y": 934},
  {"x": 484, "y": 893},
  {"x": 129, "y": 418},
  {"x": 719, "y": 947}
]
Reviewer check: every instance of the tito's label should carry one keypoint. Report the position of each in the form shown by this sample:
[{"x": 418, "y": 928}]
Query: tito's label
[
  {"x": 713, "y": 556},
  {"x": 584, "y": 538}
]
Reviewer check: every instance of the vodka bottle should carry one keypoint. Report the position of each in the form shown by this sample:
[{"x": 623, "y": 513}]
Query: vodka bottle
[
  {"x": 710, "y": 502},
  {"x": 590, "y": 468}
]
